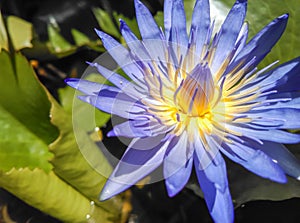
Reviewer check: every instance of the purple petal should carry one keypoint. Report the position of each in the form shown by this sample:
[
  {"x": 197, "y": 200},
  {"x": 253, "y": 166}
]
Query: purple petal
[
  {"x": 254, "y": 160},
  {"x": 133, "y": 42},
  {"x": 229, "y": 33},
  {"x": 127, "y": 33},
  {"x": 121, "y": 55},
  {"x": 280, "y": 75},
  {"x": 178, "y": 29},
  {"x": 122, "y": 83},
  {"x": 214, "y": 184},
  {"x": 168, "y": 6},
  {"x": 130, "y": 130},
  {"x": 205, "y": 156},
  {"x": 175, "y": 162},
  {"x": 138, "y": 128},
  {"x": 289, "y": 118},
  {"x": 147, "y": 25},
  {"x": 114, "y": 103},
  {"x": 292, "y": 100},
  {"x": 89, "y": 87},
  {"x": 179, "y": 179},
  {"x": 136, "y": 163},
  {"x": 287, "y": 161},
  {"x": 200, "y": 24},
  {"x": 278, "y": 136},
  {"x": 261, "y": 44}
]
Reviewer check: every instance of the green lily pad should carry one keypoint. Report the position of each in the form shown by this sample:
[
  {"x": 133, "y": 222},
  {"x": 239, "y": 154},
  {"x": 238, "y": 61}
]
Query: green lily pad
[
  {"x": 22, "y": 95},
  {"x": 20, "y": 147},
  {"x": 25, "y": 129},
  {"x": 79, "y": 161},
  {"x": 20, "y": 32},
  {"x": 51, "y": 195}
]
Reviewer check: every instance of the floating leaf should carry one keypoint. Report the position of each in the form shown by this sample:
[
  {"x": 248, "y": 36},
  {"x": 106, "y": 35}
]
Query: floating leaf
[
  {"x": 19, "y": 147},
  {"x": 51, "y": 195},
  {"x": 105, "y": 22},
  {"x": 22, "y": 95},
  {"x": 20, "y": 32},
  {"x": 80, "y": 162},
  {"x": 25, "y": 129},
  {"x": 3, "y": 35}
]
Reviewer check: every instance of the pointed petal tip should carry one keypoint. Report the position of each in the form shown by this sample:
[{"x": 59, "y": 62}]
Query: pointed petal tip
[
  {"x": 284, "y": 16},
  {"x": 72, "y": 82},
  {"x": 105, "y": 195},
  {"x": 122, "y": 23},
  {"x": 171, "y": 190},
  {"x": 90, "y": 63},
  {"x": 99, "y": 33},
  {"x": 241, "y": 2},
  {"x": 111, "y": 134}
]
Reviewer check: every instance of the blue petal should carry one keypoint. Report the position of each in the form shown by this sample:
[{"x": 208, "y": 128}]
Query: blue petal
[
  {"x": 130, "y": 130},
  {"x": 168, "y": 17},
  {"x": 290, "y": 100},
  {"x": 127, "y": 33},
  {"x": 176, "y": 182},
  {"x": 254, "y": 160},
  {"x": 228, "y": 33},
  {"x": 89, "y": 87},
  {"x": 122, "y": 83},
  {"x": 287, "y": 161},
  {"x": 278, "y": 136},
  {"x": 121, "y": 55},
  {"x": 280, "y": 75},
  {"x": 261, "y": 44},
  {"x": 175, "y": 162},
  {"x": 200, "y": 24},
  {"x": 147, "y": 25},
  {"x": 281, "y": 79},
  {"x": 290, "y": 118},
  {"x": 214, "y": 184},
  {"x": 114, "y": 103},
  {"x": 178, "y": 29},
  {"x": 133, "y": 43},
  {"x": 137, "y": 162},
  {"x": 138, "y": 128}
]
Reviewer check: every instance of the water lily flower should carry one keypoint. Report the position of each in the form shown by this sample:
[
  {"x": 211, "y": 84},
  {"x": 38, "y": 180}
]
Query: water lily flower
[{"x": 193, "y": 97}]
